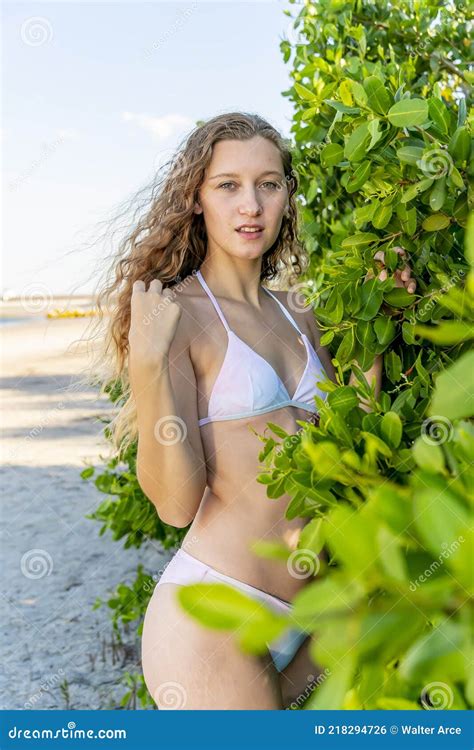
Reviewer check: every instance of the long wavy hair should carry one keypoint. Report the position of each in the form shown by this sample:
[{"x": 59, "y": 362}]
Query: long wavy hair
[{"x": 168, "y": 242}]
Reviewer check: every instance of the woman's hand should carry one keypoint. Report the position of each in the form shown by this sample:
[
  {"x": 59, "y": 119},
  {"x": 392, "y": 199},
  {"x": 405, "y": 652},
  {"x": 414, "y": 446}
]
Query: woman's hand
[
  {"x": 402, "y": 277},
  {"x": 154, "y": 320}
]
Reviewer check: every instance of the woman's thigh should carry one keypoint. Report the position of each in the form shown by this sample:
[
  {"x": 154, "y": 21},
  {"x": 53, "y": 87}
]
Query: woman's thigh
[
  {"x": 297, "y": 680},
  {"x": 188, "y": 666}
]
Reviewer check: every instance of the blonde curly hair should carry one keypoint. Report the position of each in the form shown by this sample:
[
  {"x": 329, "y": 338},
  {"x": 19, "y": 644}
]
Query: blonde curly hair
[{"x": 168, "y": 243}]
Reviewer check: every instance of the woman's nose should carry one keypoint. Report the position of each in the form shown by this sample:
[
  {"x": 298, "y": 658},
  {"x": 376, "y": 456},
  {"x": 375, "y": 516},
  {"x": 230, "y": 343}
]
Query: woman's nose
[{"x": 250, "y": 204}]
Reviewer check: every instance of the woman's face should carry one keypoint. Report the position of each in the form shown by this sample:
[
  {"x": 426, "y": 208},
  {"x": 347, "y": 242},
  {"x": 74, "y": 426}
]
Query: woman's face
[{"x": 243, "y": 184}]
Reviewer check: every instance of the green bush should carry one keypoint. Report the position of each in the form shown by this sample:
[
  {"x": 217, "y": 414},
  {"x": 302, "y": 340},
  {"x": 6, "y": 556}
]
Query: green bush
[{"x": 383, "y": 148}]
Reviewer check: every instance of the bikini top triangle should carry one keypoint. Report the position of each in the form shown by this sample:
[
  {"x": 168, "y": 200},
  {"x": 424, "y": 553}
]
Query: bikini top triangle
[{"x": 247, "y": 384}]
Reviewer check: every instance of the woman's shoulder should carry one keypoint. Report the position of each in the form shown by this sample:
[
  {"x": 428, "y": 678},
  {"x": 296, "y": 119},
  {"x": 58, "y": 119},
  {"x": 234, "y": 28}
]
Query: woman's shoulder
[
  {"x": 188, "y": 295},
  {"x": 302, "y": 314}
]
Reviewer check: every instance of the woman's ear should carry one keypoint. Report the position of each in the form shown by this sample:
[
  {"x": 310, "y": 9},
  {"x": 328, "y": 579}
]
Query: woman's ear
[{"x": 197, "y": 208}]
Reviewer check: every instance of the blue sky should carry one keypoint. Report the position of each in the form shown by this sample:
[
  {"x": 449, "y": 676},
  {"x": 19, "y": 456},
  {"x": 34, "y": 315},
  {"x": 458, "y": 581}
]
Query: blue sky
[{"x": 97, "y": 96}]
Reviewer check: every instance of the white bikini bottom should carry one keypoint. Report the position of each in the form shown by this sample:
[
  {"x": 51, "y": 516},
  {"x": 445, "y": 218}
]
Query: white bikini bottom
[{"x": 184, "y": 569}]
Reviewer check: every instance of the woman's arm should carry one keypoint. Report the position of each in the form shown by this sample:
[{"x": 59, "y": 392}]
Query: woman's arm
[{"x": 171, "y": 467}]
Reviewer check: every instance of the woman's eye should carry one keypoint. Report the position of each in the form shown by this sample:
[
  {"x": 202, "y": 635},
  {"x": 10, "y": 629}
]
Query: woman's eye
[{"x": 273, "y": 184}]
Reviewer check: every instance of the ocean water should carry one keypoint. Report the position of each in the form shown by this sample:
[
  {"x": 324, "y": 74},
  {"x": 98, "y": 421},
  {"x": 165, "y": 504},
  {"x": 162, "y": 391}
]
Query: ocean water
[{"x": 13, "y": 321}]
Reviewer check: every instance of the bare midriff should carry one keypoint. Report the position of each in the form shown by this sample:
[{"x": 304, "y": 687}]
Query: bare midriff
[{"x": 235, "y": 510}]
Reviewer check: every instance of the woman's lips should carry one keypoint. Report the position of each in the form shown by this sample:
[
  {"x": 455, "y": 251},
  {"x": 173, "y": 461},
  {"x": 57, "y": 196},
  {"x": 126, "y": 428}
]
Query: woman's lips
[{"x": 250, "y": 235}]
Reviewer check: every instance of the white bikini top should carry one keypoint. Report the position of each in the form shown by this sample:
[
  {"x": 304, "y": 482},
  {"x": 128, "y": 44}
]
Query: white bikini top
[{"x": 247, "y": 384}]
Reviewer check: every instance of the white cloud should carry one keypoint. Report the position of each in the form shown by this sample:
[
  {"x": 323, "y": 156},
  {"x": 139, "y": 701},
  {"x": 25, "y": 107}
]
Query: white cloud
[{"x": 160, "y": 127}]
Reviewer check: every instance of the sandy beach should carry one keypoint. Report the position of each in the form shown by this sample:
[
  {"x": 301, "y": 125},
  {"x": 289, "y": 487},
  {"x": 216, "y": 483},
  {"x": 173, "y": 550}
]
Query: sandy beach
[{"x": 57, "y": 652}]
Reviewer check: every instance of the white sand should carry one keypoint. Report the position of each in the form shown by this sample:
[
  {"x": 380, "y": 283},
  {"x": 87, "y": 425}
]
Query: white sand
[{"x": 51, "y": 635}]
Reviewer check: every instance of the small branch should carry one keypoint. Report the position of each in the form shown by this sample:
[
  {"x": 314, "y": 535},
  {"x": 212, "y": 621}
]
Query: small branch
[{"x": 446, "y": 63}]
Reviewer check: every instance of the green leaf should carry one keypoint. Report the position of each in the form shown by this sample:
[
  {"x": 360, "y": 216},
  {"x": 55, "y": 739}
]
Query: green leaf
[
  {"x": 305, "y": 93},
  {"x": 391, "y": 428},
  {"x": 428, "y": 455},
  {"x": 359, "y": 94},
  {"x": 439, "y": 518},
  {"x": 447, "y": 332},
  {"x": 346, "y": 347},
  {"x": 413, "y": 190},
  {"x": 330, "y": 695},
  {"x": 410, "y": 154},
  {"x": 334, "y": 594},
  {"x": 343, "y": 399},
  {"x": 325, "y": 457},
  {"x": 415, "y": 665},
  {"x": 453, "y": 395},
  {"x": 382, "y": 216},
  {"x": 365, "y": 333},
  {"x": 408, "y": 112},
  {"x": 393, "y": 366},
  {"x": 378, "y": 98},
  {"x": 359, "y": 177},
  {"x": 399, "y": 297},
  {"x": 326, "y": 338},
  {"x": 397, "y": 704},
  {"x": 407, "y": 218},
  {"x": 371, "y": 297},
  {"x": 385, "y": 329},
  {"x": 439, "y": 114},
  {"x": 312, "y": 191},
  {"x": 436, "y": 222},
  {"x": 390, "y": 554},
  {"x": 437, "y": 197},
  {"x": 331, "y": 155},
  {"x": 356, "y": 145},
  {"x": 460, "y": 145},
  {"x": 455, "y": 179},
  {"x": 277, "y": 429},
  {"x": 350, "y": 535},
  {"x": 359, "y": 240},
  {"x": 219, "y": 606},
  {"x": 312, "y": 536},
  {"x": 469, "y": 241},
  {"x": 408, "y": 332},
  {"x": 375, "y": 444}
]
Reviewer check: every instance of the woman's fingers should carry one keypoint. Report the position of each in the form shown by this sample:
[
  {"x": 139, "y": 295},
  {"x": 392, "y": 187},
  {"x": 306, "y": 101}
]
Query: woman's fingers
[
  {"x": 138, "y": 286},
  {"x": 405, "y": 273},
  {"x": 400, "y": 250},
  {"x": 155, "y": 286},
  {"x": 402, "y": 277}
]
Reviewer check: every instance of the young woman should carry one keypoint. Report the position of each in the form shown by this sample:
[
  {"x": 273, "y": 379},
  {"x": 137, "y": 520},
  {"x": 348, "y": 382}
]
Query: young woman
[{"x": 213, "y": 355}]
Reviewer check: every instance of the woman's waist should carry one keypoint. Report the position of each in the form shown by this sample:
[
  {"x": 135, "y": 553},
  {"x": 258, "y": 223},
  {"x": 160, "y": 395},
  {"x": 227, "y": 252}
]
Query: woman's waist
[{"x": 233, "y": 556}]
